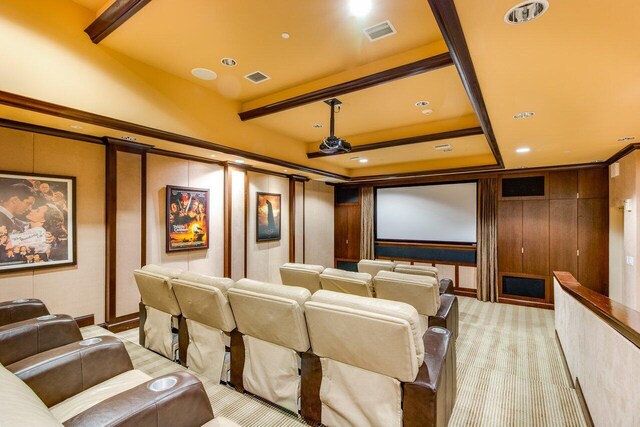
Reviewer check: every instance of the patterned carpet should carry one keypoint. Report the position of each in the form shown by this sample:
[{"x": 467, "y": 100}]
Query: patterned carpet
[{"x": 510, "y": 373}]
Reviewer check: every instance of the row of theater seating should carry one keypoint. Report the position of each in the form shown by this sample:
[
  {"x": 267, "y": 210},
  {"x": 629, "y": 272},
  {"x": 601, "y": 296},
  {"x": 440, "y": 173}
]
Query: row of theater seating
[
  {"x": 337, "y": 358},
  {"x": 50, "y": 376}
]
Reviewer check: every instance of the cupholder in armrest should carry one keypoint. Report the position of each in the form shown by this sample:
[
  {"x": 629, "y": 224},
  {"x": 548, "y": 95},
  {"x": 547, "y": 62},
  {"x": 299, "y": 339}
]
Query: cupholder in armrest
[
  {"x": 163, "y": 384},
  {"x": 90, "y": 341},
  {"x": 21, "y": 300},
  {"x": 47, "y": 317},
  {"x": 438, "y": 330}
]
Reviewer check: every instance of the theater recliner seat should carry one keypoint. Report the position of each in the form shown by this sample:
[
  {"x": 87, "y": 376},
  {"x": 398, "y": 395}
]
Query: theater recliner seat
[
  {"x": 21, "y": 309},
  {"x": 302, "y": 275},
  {"x": 446, "y": 285},
  {"x": 370, "y": 363},
  {"x": 347, "y": 282},
  {"x": 271, "y": 334},
  {"x": 92, "y": 383},
  {"x": 422, "y": 292},
  {"x": 207, "y": 322},
  {"x": 23, "y": 339},
  {"x": 373, "y": 266},
  {"x": 159, "y": 309}
]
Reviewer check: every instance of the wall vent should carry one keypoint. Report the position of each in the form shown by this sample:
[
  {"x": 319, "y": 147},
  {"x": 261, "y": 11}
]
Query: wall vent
[
  {"x": 257, "y": 77},
  {"x": 443, "y": 147},
  {"x": 379, "y": 31}
]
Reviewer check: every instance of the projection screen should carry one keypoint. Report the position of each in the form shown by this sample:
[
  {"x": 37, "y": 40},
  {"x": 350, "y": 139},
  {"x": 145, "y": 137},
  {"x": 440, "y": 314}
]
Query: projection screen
[{"x": 443, "y": 213}]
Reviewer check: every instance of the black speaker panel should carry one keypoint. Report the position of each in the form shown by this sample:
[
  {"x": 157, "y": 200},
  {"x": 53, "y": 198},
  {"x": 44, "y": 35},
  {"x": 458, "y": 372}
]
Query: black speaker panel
[{"x": 523, "y": 187}]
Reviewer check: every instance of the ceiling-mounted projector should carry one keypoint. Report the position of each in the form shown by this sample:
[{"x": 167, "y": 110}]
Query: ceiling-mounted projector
[{"x": 332, "y": 144}]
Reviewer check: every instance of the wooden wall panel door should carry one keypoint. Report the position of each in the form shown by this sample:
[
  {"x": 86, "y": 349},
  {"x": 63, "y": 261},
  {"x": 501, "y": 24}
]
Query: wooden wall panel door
[
  {"x": 341, "y": 231},
  {"x": 510, "y": 236},
  {"x": 593, "y": 244},
  {"x": 353, "y": 235},
  {"x": 563, "y": 234},
  {"x": 535, "y": 237},
  {"x": 563, "y": 184},
  {"x": 593, "y": 182}
]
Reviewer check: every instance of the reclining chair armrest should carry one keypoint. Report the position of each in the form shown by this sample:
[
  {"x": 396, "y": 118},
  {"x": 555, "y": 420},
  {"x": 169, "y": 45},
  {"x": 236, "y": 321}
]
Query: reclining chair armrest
[
  {"x": 62, "y": 372},
  {"x": 311, "y": 380},
  {"x": 428, "y": 401},
  {"x": 446, "y": 286},
  {"x": 143, "y": 319},
  {"x": 237, "y": 361},
  {"x": 24, "y": 339},
  {"x": 185, "y": 404},
  {"x": 19, "y": 310},
  {"x": 447, "y": 315}
]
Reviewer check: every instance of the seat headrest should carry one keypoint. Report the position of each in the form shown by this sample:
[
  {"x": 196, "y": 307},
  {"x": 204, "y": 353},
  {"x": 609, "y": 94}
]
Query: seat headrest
[
  {"x": 347, "y": 282},
  {"x": 169, "y": 272},
  {"x": 303, "y": 275},
  {"x": 272, "y": 313},
  {"x": 422, "y": 292},
  {"x": 372, "y": 266},
  {"x": 303, "y": 267},
  {"x": 377, "y": 335},
  {"x": 222, "y": 283},
  {"x": 423, "y": 270},
  {"x": 155, "y": 291},
  {"x": 204, "y": 303}
]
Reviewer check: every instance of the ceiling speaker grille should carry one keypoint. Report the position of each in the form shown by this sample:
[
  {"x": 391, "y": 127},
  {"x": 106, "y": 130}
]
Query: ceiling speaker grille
[
  {"x": 257, "y": 77},
  {"x": 379, "y": 31}
]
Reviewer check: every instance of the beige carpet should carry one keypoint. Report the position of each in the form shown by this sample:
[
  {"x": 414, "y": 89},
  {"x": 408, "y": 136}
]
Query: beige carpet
[{"x": 510, "y": 373}]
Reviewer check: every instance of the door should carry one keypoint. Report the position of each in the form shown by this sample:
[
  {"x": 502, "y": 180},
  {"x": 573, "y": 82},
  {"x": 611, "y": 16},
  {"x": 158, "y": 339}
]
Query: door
[
  {"x": 535, "y": 237},
  {"x": 353, "y": 234},
  {"x": 593, "y": 244},
  {"x": 510, "y": 236},
  {"x": 341, "y": 231},
  {"x": 563, "y": 229}
]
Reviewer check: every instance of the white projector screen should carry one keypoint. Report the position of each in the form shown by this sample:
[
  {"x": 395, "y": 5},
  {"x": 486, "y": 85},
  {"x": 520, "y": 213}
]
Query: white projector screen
[{"x": 427, "y": 213}]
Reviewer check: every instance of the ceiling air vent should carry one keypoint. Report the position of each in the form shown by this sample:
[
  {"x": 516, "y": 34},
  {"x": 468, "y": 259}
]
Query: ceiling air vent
[
  {"x": 379, "y": 31},
  {"x": 443, "y": 147},
  {"x": 257, "y": 77}
]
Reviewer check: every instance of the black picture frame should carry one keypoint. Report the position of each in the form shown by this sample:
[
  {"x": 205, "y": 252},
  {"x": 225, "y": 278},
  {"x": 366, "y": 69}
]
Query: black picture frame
[{"x": 185, "y": 229}]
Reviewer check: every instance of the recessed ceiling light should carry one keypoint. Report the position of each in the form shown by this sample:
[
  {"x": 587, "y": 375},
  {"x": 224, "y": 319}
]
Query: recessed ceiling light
[
  {"x": 285, "y": 35},
  {"x": 422, "y": 103},
  {"x": 427, "y": 112},
  {"x": 354, "y": 158},
  {"x": 213, "y": 155},
  {"x": 317, "y": 125},
  {"x": 284, "y": 170},
  {"x": 523, "y": 150},
  {"x": 443, "y": 147},
  {"x": 129, "y": 138},
  {"x": 229, "y": 62},
  {"x": 526, "y": 11},
  {"x": 76, "y": 127},
  {"x": 524, "y": 115},
  {"x": 359, "y": 7},
  {"x": 204, "y": 74},
  {"x": 624, "y": 138},
  {"x": 363, "y": 160},
  {"x": 239, "y": 161}
]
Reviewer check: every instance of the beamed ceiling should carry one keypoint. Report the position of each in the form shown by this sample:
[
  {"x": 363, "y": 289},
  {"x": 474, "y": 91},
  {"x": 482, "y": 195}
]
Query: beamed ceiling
[{"x": 576, "y": 67}]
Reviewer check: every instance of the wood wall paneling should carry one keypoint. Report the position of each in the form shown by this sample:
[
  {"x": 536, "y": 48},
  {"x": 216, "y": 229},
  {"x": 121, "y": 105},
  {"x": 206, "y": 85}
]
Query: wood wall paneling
[
  {"x": 563, "y": 184},
  {"x": 563, "y": 231},
  {"x": 510, "y": 236},
  {"x": 535, "y": 237},
  {"x": 593, "y": 244},
  {"x": 593, "y": 182}
]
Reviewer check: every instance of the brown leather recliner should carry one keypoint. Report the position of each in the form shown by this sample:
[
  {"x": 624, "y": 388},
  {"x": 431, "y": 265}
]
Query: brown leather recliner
[
  {"x": 91, "y": 383},
  {"x": 21, "y": 309}
]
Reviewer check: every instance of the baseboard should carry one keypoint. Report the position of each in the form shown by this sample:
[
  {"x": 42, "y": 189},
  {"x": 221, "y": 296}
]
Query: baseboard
[
  {"x": 123, "y": 323},
  {"x": 83, "y": 321},
  {"x": 545, "y": 305},
  {"x": 465, "y": 292},
  {"x": 564, "y": 361},
  {"x": 583, "y": 405}
]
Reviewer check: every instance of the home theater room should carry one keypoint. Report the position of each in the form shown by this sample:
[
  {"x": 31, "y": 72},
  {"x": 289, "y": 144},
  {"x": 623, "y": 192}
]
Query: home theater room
[{"x": 367, "y": 213}]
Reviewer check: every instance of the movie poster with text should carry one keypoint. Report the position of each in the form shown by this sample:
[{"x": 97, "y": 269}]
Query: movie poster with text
[{"x": 187, "y": 218}]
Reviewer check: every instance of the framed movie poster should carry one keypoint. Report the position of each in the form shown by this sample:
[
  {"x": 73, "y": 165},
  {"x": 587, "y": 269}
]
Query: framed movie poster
[
  {"x": 187, "y": 218},
  {"x": 37, "y": 221},
  {"x": 269, "y": 219}
]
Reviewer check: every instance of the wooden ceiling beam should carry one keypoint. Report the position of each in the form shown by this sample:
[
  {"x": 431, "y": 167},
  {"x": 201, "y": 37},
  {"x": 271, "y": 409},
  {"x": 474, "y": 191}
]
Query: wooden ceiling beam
[
  {"x": 405, "y": 141},
  {"x": 447, "y": 18},
  {"x": 113, "y": 17},
  {"x": 407, "y": 70}
]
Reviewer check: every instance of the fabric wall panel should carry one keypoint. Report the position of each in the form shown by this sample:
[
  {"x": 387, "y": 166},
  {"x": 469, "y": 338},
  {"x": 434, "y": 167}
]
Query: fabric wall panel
[
  {"x": 238, "y": 178},
  {"x": 319, "y": 223}
]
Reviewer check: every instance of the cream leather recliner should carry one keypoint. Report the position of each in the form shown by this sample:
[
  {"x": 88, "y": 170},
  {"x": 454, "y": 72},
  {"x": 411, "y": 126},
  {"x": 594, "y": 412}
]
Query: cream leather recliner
[
  {"x": 303, "y": 275},
  {"x": 159, "y": 309},
  {"x": 422, "y": 292},
  {"x": 372, "y": 266},
  {"x": 369, "y": 349},
  {"x": 271, "y": 334},
  {"x": 347, "y": 282},
  {"x": 207, "y": 321}
]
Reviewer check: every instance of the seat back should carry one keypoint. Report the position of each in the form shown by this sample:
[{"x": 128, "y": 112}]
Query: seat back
[
  {"x": 372, "y": 334},
  {"x": 203, "y": 299},
  {"x": 347, "y": 282},
  {"x": 422, "y": 270},
  {"x": 272, "y": 313},
  {"x": 422, "y": 292},
  {"x": 19, "y": 405},
  {"x": 21, "y": 309},
  {"x": 303, "y": 275},
  {"x": 154, "y": 284},
  {"x": 372, "y": 266}
]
